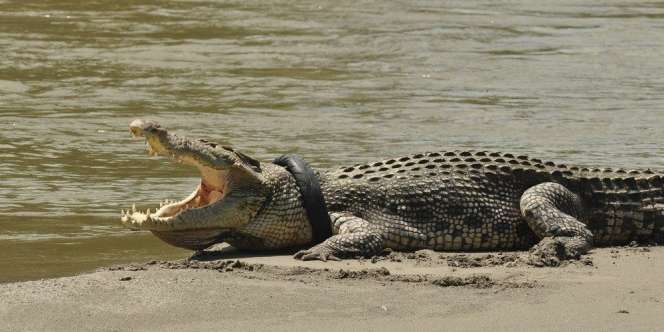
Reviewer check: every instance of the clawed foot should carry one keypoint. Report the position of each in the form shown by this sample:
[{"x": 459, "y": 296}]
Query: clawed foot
[
  {"x": 318, "y": 252},
  {"x": 551, "y": 251}
]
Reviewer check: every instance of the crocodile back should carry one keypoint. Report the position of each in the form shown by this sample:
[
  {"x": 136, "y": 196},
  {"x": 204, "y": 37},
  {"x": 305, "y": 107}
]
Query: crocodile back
[{"x": 621, "y": 205}]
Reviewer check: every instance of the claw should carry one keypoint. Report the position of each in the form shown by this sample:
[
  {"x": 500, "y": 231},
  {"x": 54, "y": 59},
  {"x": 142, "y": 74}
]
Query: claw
[
  {"x": 333, "y": 258},
  {"x": 311, "y": 257},
  {"x": 315, "y": 254}
]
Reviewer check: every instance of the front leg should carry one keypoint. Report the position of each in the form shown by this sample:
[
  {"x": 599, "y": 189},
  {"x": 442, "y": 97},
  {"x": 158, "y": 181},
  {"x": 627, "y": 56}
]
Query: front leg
[{"x": 354, "y": 237}]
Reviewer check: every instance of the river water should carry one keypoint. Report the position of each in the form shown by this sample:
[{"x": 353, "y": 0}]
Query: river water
[{"x": 336, "y": 82}]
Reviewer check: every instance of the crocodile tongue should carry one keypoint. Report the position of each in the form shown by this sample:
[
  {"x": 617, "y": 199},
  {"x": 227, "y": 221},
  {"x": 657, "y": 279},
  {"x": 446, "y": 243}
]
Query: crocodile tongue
[{"x": 208, "y": 194}]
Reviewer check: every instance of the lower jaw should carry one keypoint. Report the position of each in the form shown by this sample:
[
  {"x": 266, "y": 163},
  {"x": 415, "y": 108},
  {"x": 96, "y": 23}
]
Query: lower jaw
[{"x": 194, "y": 239}]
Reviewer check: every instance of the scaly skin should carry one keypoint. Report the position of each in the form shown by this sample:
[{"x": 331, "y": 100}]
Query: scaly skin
[{"x": 456, "y": 200}]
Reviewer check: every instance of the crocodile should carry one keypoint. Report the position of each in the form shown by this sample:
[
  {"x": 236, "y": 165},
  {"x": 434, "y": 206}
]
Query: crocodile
[{"x": 444, "y": 201}]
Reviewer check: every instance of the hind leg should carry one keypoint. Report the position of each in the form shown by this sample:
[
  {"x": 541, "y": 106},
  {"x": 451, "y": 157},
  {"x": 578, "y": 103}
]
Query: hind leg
[{"x": 552, "y": 212}]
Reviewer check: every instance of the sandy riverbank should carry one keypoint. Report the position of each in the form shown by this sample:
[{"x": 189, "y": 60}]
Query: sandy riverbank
[{"x": 614, "y": 289}]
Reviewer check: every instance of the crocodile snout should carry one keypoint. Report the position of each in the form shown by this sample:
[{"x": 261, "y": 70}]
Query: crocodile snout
[
  {"x": 139, "y": 128},
  {"x": 136, "y": 128}
]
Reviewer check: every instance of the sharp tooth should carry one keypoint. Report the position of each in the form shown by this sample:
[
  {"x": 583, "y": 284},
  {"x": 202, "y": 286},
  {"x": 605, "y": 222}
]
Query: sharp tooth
[
  {"x": 133, "y": 208},
  {"x": 147, "y": 211}
]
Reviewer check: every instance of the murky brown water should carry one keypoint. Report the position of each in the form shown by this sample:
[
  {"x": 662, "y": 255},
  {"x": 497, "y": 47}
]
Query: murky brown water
[{"x": 336, "y": 82}]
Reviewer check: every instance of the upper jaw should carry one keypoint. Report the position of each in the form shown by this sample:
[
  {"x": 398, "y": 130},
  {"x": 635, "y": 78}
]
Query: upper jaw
[
  {"x": 213, "y": 161},
  {"x": 199, "y": 153}
]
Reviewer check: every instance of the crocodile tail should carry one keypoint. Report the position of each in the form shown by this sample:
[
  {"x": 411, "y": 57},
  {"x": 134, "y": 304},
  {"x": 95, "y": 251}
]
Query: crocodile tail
[{"x": 624, "y": 207}]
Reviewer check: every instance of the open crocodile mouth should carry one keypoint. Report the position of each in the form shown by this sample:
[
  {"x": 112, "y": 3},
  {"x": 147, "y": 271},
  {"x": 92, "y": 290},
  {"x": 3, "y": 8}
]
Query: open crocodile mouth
[
  {"x": 204, "y": 195},
  {"x": 212, "y": 188}
]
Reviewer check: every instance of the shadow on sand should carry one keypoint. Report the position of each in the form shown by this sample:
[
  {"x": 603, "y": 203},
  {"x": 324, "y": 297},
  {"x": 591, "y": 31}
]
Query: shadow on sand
[{"x": 227, "y": 252}]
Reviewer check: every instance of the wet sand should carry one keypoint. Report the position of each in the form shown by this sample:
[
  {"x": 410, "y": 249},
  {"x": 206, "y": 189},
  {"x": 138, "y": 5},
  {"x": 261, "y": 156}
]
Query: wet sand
[{"x": 611, "y": 289}]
